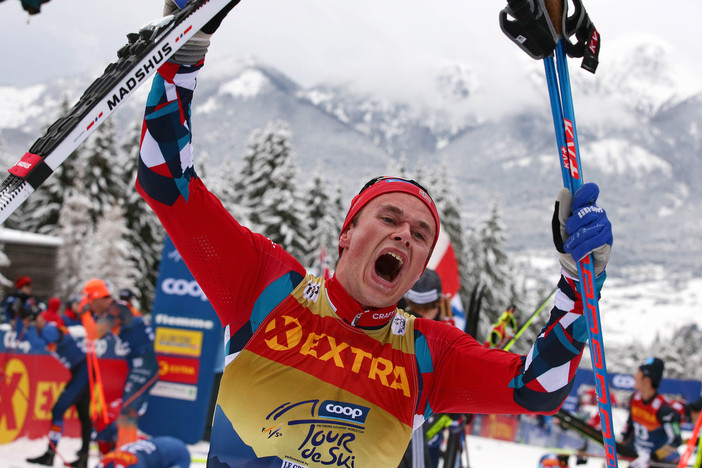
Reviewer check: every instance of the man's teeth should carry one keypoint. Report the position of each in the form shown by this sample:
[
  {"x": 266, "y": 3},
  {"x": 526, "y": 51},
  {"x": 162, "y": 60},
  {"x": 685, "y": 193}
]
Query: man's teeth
[{"x": 399, "y": 260}]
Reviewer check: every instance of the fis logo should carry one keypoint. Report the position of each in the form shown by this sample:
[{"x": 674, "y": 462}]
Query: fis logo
[{"x": 343, "y": 411}]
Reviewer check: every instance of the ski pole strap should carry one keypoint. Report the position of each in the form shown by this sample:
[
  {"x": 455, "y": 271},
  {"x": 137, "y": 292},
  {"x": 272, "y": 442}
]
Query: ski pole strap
[
  {"x": 587, "y": 43},
  {"x": 32, "y": 168},
  {"x": 531, "y": 28}
]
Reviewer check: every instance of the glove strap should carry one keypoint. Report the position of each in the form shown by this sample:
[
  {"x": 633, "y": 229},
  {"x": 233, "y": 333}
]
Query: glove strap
[
  {"x": 531, "y": 29},
  {"x": 587, "y": 43}
]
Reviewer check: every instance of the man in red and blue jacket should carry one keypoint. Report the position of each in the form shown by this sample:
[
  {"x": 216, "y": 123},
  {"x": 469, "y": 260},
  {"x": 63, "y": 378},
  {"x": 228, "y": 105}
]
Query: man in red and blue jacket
[{"x": 330, "y": 372}]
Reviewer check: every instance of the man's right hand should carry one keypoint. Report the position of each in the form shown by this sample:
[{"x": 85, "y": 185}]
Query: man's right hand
[{"x": 193, "y": 51}]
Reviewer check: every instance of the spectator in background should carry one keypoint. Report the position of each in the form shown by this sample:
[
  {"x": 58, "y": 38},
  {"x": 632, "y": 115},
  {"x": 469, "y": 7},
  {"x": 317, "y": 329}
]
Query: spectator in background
[
  {"x": 50, "y": 333},
  {"x": 20, "y": 303},
  {"x": 503, "y": 330},
  {"x": 157, "y": 452},
  {"x": 136, "y": 338},
  {"x": 654, "y": 425},
  {"x": 127, "y": 295},
  {"x": 551, "y": 460},
  {"x": 692, "y": 410},
  {"x": 425, "y": 299},
  {"x": 70, "y": 314}
]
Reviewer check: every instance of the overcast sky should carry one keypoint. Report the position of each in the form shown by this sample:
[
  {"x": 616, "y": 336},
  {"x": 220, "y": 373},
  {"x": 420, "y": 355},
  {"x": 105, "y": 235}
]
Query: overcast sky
[{"x": 371, "y": 43}]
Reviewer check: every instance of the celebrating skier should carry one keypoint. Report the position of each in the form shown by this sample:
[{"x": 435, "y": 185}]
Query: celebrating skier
[{"x": 329, "y": 372}]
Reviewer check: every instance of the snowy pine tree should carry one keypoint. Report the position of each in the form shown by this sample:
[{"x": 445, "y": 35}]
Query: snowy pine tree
[
  {"x": 337, "y": 211},
  {"x": 398, "y": 167},
  {"x": 323, "y": 227},
  {"x": 4, "y": 262},
  {"x": 443, "y": 189},
  {"x": 224, "y": 186},
  {"x": 145, "y": 233},
  {"x": 76, "y": 229},
  {"x": 40, "y": 213},
  {"x": 102, "y": 176},
  {"x": 268, "y": 191},
  {"x": 681, "y": 355},
  {"x": 488, "y": 267},
  {"x": 109, "y": 257}
]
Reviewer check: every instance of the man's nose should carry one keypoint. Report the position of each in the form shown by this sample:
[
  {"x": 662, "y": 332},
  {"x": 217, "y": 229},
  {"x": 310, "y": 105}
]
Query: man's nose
[{"x": 403, "y": 233}]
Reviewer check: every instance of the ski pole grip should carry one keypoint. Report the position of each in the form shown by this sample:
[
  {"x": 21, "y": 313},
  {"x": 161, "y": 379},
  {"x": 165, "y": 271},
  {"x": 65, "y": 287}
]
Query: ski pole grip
[{"x": 555, "y": 12}]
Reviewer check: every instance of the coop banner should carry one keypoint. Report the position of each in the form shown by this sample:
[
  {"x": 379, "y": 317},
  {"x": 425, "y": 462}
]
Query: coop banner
[{"x": 188, "y": 342}]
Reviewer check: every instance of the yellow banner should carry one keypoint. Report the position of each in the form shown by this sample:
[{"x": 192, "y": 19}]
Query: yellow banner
[{"x": 178, "y": 341}]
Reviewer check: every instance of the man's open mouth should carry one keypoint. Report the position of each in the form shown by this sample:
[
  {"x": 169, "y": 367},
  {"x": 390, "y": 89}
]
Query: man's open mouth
[{"x": 388, "y": 266}]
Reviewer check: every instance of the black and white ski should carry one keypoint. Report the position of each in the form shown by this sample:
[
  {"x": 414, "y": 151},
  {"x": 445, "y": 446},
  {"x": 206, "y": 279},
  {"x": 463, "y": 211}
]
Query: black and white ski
[
  {"x": 576, "y": 424},
  {"x": 144, "y": 53}
]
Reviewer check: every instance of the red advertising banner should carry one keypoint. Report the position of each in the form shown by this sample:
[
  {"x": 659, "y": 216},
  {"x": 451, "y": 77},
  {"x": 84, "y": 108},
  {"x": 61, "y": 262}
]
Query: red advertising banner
[
  {"x": 30, "y": 384},
  {"x": 178, "y": 369},
  {"x": 499, "y": 426}
]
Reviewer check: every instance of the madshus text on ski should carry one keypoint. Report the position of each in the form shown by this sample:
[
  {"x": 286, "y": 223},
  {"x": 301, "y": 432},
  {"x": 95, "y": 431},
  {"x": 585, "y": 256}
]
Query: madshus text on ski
[{"x": 140, "y": 74}]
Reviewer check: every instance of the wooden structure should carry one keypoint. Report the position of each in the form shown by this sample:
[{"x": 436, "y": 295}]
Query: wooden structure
[{"x": 33, "y": 255}]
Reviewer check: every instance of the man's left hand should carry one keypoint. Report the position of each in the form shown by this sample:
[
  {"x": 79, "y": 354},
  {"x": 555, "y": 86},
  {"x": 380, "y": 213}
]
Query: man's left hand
[{"x": 580, "y": 228}]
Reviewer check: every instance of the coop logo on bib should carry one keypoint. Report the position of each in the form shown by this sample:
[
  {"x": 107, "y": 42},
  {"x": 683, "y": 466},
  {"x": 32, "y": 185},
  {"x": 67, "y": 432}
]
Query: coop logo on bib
[{"x": 343, "y": 411}]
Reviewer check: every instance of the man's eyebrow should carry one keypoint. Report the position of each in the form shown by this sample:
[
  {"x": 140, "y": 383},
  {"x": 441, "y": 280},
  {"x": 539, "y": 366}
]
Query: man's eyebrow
[{"x": 399, "y": 211}]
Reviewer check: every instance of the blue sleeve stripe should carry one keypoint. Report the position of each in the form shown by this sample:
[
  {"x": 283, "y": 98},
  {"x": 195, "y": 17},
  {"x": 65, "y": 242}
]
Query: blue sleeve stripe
[
  {"x": 273, "y": 295},
  {"x": 158, "y": 89},
  {"x": 165, "y": 110},
  {"x": 421, "y": 354},
  {"x": 563, "y": 339}
]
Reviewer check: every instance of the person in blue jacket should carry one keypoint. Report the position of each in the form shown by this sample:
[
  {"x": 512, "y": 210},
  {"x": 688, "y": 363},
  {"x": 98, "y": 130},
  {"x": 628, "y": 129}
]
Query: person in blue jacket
[
  {"x": 157, "y": 452},
  {"x": 135, "y": 339},
  {"x": 20, "y": 304},
  {"x": 50, "y": 333}
]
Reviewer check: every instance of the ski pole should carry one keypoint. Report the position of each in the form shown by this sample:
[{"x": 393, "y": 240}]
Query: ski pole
[
  {"x": 533, "y": 316},
  {"x": 691, "y": 443},
  {"x": 97, "y": 395},
  {"x": 571, "y": 168}
]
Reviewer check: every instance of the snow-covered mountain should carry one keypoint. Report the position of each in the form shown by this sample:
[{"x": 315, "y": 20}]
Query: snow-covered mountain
[{"x": 639, "y": 125}]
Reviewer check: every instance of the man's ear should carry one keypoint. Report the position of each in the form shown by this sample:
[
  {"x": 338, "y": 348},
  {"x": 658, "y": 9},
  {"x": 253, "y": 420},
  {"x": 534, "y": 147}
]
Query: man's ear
[{"x": 345, "y": 238}]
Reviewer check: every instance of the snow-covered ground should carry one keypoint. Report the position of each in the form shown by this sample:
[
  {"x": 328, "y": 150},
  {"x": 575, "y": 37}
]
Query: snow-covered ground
[
  {"x": 13, "y": 455},
  {"x": 483, "y": 453},
  {"x": 642, "y": 310}
]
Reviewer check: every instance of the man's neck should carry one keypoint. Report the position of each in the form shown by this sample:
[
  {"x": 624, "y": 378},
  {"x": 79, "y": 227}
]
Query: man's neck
[{"x": 647, "y": 394}]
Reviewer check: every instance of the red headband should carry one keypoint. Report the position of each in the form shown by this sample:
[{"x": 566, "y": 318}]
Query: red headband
[{"x": 388, "y": 185}]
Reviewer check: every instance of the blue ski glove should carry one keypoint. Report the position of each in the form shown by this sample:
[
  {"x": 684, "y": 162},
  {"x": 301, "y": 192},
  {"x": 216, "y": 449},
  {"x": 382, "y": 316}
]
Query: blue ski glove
[{"x": 580, "y": 227}]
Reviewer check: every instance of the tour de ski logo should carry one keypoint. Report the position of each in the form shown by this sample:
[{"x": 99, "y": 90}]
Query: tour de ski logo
[{"x": 332, "y": 428}]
